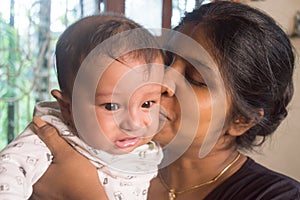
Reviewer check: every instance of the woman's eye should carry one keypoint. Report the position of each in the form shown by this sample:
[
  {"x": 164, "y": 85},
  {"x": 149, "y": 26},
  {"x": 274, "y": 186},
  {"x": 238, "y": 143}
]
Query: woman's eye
[
  {"x": 194, "y": 82},
  {"x": 147, "y": 104},
  {"x": 111, "y": 106}
]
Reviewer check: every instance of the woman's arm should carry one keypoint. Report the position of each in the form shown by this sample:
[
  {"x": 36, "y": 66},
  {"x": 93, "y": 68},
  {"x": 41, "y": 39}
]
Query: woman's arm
[{"x": 71, "y": 175}]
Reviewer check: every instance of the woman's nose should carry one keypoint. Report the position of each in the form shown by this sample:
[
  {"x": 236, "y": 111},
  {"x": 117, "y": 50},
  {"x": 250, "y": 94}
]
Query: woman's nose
[
  {"x": 173, "y": 76},
  {"x": 168, "y": 86}
]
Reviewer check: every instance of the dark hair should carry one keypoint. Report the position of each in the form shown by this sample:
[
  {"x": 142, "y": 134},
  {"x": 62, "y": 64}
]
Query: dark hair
[
  {"x": 79, "y": 39},
  {"x": 256, "y": 61}
]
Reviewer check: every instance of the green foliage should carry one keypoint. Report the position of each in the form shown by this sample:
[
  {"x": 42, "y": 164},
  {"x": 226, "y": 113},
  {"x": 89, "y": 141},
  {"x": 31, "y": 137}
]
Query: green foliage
[
  {"x": 3, "y": 120},
  {"x": 16, "y": 81},
  {"x": 21, "y": 61}
]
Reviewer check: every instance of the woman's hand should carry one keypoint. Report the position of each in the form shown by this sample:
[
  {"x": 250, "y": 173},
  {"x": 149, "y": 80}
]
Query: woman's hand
[{"x": 71, "y": 175}]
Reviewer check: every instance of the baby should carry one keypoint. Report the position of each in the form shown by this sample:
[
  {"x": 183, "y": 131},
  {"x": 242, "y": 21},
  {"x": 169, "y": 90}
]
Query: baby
[{"x": 110, "y": 72}]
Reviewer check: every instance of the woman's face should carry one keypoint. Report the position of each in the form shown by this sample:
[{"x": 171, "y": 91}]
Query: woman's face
[{"x": 194, "y": 102}]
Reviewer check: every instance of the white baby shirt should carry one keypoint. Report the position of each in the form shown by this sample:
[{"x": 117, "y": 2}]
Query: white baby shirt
[{"x": 25, "y": 160}]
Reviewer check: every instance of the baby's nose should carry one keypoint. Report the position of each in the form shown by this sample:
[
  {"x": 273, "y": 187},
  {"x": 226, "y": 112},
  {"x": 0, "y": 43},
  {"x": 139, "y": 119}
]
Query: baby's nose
[{"x": 133, "y": 121}]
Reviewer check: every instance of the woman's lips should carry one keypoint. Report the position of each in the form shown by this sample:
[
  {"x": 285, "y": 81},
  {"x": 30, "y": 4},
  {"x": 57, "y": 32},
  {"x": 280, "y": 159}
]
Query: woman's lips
[
  {"x": 163, "y": 116},
  {"x": 127, "y": 142}
]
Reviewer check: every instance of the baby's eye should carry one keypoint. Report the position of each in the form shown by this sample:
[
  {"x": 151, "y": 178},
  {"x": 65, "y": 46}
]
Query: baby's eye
[
  {"x": 111, "y": 106},
  {"x": 147, "y": 104}
]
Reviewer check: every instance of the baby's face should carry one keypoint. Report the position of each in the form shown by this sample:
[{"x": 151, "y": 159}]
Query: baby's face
[{"x": 127, "y": 104}]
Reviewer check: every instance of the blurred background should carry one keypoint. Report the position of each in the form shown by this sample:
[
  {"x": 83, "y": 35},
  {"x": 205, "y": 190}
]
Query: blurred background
[{"x": 29, "y": 30}]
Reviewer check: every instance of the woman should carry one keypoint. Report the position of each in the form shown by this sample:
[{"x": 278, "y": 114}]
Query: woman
[
  {"x": 254, "y": 59},
  {"x": 256, "y": 63}
]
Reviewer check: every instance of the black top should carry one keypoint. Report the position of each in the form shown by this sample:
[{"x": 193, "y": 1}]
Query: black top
[{"x": 255, "y": 182}]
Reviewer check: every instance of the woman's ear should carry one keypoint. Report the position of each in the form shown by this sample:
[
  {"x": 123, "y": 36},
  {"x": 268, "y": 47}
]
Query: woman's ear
[
  {"x": 238, "y": 127},
  {"x": 241, "y": 125},
  {"x": 64, "y": 103}
]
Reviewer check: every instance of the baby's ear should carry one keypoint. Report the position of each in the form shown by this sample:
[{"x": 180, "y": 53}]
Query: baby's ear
[
  {"x": 241, "y": 125},
  {"x": 64, "y": 103}
]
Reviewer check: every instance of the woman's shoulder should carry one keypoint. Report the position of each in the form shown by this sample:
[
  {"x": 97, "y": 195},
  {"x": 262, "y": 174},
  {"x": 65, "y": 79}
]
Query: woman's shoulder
[{"x": 254, "y": 181}]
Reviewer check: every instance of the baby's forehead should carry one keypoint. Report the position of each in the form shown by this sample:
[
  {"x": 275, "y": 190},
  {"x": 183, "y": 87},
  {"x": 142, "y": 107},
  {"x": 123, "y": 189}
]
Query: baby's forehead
[
  {"x": 141, "y": 56},
  {"x": 141, "y": 65},
  {"x": 129, "y": 75}
]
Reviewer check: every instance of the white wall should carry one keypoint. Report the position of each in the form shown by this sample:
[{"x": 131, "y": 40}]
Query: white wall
[
  {"x": 282, "y": 151},
  {"x": 283, "y": 11}
]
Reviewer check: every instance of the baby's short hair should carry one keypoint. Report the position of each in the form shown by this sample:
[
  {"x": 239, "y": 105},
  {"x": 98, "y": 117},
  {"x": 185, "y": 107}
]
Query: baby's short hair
[{"x": 79, "y": 39}]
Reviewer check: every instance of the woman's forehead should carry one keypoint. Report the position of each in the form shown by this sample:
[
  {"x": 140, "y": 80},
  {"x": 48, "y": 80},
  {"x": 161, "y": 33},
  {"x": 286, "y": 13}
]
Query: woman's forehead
[{"x": 190, "y": 43}]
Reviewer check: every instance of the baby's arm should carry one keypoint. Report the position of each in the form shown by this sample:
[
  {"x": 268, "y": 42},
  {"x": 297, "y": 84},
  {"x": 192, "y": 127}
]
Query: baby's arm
[{"x": 22, "y": 163}]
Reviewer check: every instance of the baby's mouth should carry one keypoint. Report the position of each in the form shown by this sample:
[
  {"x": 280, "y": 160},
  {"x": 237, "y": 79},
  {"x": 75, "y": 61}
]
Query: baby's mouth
[{"x": 127, "y": 142}]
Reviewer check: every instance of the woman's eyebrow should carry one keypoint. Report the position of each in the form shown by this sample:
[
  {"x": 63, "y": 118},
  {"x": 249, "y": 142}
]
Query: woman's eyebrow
[
  {"x": 198, "y": 63},
  {"x": 122, "y": 62}
]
